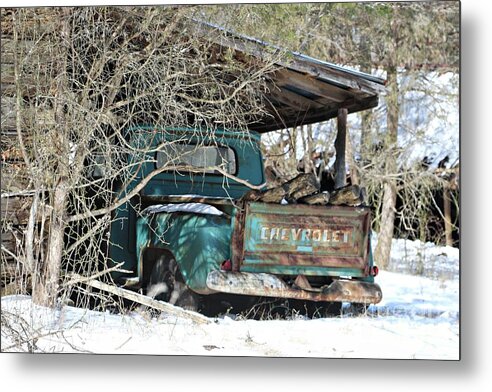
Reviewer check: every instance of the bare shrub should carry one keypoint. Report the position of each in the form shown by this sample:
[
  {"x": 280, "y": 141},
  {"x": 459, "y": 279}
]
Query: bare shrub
[{"x": 82, "y": 78}]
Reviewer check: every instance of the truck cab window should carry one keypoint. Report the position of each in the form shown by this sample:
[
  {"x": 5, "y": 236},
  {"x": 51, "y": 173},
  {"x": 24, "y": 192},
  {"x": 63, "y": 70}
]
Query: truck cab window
[{"x": 197, "y": 156}]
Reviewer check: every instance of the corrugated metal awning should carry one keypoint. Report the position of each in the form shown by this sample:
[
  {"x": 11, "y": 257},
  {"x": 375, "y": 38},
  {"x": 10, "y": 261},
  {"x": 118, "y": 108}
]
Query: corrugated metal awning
[{"x": 304, "y": 90}]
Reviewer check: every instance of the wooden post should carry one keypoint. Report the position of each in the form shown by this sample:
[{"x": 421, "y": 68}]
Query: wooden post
[{"x": 340, "y": 142}]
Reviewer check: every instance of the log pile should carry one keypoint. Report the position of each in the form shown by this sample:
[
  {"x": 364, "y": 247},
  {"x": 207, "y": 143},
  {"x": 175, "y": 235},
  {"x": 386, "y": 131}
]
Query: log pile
[
  {"x": 290, "y": 191},
  {"x": 305, "y": 189},
  {"x": 350, "y": 195}
]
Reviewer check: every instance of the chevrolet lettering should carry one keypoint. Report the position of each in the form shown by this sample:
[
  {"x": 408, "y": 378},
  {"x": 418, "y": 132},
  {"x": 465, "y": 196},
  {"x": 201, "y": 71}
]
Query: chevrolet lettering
[{"x": 305, "y": 235}]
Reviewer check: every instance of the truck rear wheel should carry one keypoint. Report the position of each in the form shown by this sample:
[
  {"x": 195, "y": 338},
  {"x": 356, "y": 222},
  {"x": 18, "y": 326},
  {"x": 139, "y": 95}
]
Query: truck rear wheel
[
  {"x": 167, "y": 284},
  {"x": 161, "y": 280}
]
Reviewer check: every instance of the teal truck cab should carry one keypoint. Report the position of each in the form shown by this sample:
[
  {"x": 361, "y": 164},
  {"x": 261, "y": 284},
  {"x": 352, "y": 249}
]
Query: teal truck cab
[{"x": 190, "y": 233}]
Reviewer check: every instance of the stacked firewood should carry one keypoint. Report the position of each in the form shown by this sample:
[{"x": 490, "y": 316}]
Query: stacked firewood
[{"x": 305, "y": 189}]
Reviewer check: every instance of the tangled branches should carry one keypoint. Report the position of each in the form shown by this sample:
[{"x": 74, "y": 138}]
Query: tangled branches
[{"x": 84, "y": 77}]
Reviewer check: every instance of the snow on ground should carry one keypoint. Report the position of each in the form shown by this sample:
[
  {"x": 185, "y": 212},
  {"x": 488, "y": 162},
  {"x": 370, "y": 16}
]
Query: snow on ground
[
  {"x": 423, "y": 258},
  {"x": 417, "y": 318}
]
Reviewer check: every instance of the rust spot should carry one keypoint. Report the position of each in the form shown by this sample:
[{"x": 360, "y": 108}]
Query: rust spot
[
  {"x": 261, "y": 284},
  {"x": 301, "y": 235}
]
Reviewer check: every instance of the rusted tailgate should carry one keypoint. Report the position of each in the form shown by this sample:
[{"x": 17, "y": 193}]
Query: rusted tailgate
[{"x": 302, "y": 239}]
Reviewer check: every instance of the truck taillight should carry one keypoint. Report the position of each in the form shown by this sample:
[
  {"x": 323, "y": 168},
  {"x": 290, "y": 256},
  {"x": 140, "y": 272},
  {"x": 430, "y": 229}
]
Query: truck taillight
[
  {"x": 226, "y": 265},
  {"x": 374, "y": 270}
]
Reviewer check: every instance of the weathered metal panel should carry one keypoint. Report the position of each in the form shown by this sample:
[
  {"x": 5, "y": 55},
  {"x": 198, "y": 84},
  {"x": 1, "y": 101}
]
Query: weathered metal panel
[
  {"x": 307, "y": 270},
  {"x": 237, "y": 240},
  {"x": 261, "y": 284},
  {"x": 199, "y": 243},
  {"x": 305, "y": 236}
]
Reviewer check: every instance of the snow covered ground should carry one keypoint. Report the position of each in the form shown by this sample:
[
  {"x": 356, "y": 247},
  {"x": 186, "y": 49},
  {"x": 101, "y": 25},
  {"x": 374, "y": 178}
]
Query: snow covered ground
[{"x": 418, "y": 318}]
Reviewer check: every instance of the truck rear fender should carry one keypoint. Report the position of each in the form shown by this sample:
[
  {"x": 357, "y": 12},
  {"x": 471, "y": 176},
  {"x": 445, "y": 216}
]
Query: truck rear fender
[{"x": 199, "y": 244}]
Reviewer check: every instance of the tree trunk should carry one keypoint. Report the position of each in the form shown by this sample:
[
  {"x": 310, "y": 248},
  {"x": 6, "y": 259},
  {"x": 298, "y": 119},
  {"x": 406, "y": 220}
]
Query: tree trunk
[
  {"x": 423, "y": 221},
  {"x": 383, "y": 248},
  {"x": 47, "y": 280},
  {"x": 448, "y": 225},
  {"x": 349, "y": 153},
  {"x": 382, "y": 252},
  {"x": 293, "y": 151},
  {"x": 307, "y": 145},
  {"x": 366, "y": 115},
  {"x": 30, "y": 234}
]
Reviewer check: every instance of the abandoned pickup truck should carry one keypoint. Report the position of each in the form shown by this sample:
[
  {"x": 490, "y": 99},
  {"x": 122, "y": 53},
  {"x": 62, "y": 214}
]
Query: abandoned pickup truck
[{"x": 194, "y": 232}]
